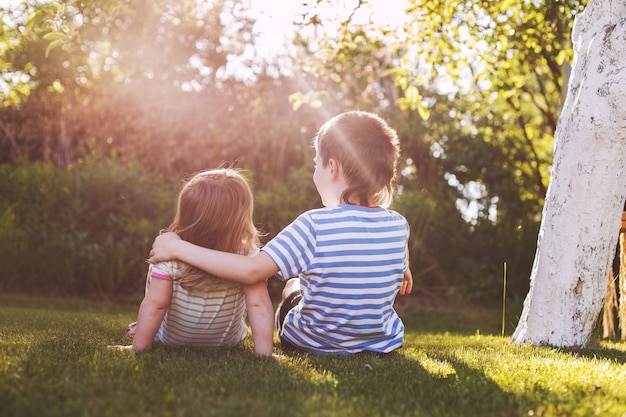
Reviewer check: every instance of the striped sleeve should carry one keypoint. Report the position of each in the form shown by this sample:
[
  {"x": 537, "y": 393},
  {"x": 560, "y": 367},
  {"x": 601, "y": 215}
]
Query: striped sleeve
[
  {"x": 293, "y": 249},
  {"x": 163, "y": 271}
]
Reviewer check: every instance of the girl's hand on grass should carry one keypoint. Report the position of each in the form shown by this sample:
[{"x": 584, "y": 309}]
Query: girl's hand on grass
[
  {"x": 120, "y": 347},
  {"x": 163, "y": 248}
]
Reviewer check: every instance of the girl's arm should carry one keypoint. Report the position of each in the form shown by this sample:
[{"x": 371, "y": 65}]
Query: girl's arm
[
  {"x": 230, "y": 266},
  {"x": 261, "y": 317},
  {"x": 151, "y": 313}
]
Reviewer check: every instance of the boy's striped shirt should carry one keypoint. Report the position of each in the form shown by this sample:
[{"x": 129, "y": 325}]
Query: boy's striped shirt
[{"x": 351, "y": 261}]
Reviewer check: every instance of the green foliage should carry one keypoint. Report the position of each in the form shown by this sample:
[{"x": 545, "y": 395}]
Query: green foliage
[
  {"x": 436, "y": 239},
  {"x": 84, "y": 230},
  {"x": 80, "y": 44},
  {"x": 485, "y": 81},
  {"x": 281, "y": 201},
  {"x": 54, "y": 362},
  {"x": 472, "y": 87}
]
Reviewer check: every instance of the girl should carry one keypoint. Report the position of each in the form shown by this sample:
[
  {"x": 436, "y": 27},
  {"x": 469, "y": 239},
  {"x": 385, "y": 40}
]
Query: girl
[{"x": 185, "y": 306}]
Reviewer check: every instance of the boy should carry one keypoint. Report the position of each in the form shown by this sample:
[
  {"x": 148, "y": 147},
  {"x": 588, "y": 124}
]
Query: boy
[{"x": 351, "y": 256}]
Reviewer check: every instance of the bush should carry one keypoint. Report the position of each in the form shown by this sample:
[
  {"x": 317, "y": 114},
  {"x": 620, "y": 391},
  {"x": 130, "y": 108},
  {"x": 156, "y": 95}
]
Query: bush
[
  {"x": 279, "y": 202},
  {"x": 84, "y": 230},
  {"x": 461, "y": 260}
]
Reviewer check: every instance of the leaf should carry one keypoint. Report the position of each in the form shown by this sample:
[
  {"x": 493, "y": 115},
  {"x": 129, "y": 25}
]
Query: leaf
[
  {"x": 560, "y": 59},
  {"x": 296, "y": 101},
  {"x": 53, "y": 45},
  {"x": 34, "y": 19},
  {"x": 423, "y": 111},
  {"x": 297, "y": 104},
  {"x": 412, "y": 95},
  {"x": 54, "y": 35},
  {"x": 57, "y": 86}
]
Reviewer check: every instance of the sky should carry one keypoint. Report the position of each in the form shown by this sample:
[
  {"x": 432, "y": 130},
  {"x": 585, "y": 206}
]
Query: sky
[
  {"x": 274, "y": 25},
  {"x": 274, "y": 18}
]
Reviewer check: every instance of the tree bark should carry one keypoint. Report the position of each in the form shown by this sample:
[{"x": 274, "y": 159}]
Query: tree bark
[{"x": 582, "y": 213}]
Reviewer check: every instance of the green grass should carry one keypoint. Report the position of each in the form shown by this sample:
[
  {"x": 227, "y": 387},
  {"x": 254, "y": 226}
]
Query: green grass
[{"x": 54, "y": 362}]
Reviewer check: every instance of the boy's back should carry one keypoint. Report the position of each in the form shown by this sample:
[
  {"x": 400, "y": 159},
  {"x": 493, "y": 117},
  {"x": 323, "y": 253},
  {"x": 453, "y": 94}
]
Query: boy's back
[{"x": 351, "y": 261}]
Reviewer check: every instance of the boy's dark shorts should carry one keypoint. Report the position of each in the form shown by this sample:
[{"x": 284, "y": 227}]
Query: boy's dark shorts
[{"x": 287, "y": 305}]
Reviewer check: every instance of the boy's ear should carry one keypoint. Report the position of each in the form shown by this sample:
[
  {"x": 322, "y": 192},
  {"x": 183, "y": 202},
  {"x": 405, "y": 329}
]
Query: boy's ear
[{"x": 335, "y": 168}]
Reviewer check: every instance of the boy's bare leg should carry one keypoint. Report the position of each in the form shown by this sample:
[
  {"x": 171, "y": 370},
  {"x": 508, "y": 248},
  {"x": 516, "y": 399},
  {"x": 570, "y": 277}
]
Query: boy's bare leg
[
  {"x": 293, "y": 284},
  {"x": 290, "y": 287}
]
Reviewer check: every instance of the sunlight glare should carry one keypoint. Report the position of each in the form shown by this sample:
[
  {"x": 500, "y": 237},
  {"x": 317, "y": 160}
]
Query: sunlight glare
[{"x": 275, "y": 20}]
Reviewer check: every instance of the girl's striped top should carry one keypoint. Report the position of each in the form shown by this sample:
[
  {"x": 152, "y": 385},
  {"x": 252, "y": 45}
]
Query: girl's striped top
[
  {"x": 214, "y": 317},
  {"x": 351, "y": 262}
]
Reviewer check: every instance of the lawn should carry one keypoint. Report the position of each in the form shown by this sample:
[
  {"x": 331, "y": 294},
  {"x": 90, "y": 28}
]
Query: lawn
[{"x": 54, "y": 362}]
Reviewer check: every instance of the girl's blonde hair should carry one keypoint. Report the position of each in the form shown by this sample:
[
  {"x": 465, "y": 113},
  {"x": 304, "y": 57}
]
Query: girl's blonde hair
[
  {"x": 367, "y": 150},
  {"x": 214, "y": 211}
]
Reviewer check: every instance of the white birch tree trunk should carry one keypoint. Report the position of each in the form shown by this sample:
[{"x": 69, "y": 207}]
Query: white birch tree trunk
[{"x": 582, "y": 213}]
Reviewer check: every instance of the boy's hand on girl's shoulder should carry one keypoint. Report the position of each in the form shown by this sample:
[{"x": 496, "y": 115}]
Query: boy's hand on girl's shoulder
[{"x": 162, "y": 247}]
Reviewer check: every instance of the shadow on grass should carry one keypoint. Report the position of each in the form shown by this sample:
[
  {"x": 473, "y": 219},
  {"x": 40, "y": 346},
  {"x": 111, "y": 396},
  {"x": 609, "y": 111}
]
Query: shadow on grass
[
  {"x": 598, "y": 352},
  {"x": 69, "y": 372},
  {"x": 405, "y": 384},
  {"x": 55, "y": 363},
  {"x": 62, "y": 378}
]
